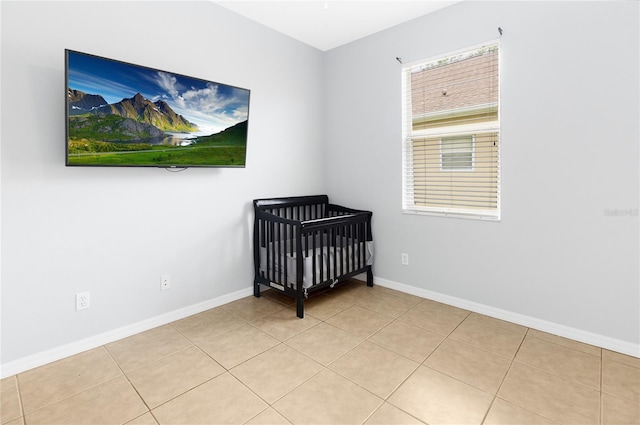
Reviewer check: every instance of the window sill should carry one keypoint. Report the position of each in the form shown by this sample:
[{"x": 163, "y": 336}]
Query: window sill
[{"x": 455, "y": 214}]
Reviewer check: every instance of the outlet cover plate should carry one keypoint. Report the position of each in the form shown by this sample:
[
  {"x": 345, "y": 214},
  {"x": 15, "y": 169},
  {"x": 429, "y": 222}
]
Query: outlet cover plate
[
  {"x": 83, "y": 301},
  {"x": 165, "y": 282}
]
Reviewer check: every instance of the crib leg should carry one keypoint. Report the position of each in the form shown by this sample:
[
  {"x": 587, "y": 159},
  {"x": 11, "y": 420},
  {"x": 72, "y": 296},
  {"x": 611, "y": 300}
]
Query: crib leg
[
  {"x": 300, "y": 308},
  {"x": 256, "y": 289},
  {"x": 369, "y": 276}
]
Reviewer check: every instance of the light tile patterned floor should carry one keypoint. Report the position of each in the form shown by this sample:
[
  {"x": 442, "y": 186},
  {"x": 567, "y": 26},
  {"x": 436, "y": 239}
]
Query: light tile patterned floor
[{"x": 360, "y": 356}]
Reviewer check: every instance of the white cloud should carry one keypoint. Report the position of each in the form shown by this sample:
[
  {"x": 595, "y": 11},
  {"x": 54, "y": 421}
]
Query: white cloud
[
  {"x": 167, "y": 82},
  {"x": 206, "y": 105}
]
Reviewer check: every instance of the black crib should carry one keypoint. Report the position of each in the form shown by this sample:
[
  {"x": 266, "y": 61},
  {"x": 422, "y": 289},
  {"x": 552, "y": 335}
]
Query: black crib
[{"x": 304, "y": 244}]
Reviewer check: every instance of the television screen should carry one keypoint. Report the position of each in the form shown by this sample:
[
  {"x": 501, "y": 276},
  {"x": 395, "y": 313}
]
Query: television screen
[{"x": 125, "y": 115}]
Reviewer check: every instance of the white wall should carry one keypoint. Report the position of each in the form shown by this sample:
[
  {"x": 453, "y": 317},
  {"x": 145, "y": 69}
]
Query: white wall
[
  {"x": 570, "y": 137},
  {"x": 113, "y": 232}
]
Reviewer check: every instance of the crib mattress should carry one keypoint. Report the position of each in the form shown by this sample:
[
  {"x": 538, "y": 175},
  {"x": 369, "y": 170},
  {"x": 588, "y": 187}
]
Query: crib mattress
[{"x": 330, "y": 257}]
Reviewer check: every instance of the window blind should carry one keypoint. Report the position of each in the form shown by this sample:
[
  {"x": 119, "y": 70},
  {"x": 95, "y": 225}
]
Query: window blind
[{"x": 451, "y": 132}]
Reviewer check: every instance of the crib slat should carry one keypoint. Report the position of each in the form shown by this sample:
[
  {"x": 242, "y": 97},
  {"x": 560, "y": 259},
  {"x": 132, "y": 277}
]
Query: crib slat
[
  {"x": 334, "y": 238},
  {"x": 353, "y": 247},
  {"x": 294, "y": 231},
  {"x": 279, "y": 253},
  {"x": 359, "y": 238},
  {"x": 322, "y": 257},
  {"x": 340, "y": 250},
  {"x": 299, "y": 272},
  {"x": 314, "y": 258},
  {"x": 268, "y": 249},
  {"x": 283, "y": 253}
]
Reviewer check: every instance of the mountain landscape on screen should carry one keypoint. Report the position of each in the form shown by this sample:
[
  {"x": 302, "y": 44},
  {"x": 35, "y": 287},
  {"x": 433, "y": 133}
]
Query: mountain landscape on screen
[
  {"x": 139, "y": 129},
  {"x": 92, "y": 118}
]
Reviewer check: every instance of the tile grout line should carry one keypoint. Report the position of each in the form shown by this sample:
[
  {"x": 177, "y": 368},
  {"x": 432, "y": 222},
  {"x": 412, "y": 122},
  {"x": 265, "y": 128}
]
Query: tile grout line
[
  {"x": 23, "y": 415},
  {"x": 564, "y": 378},
  {"x": 504, "y": 378},
  {"x": 181, "y": 394},
  {"x": 601, "y": 393},
  {"x": 395, "y": 352},
  {"x": 260, "y": 413},
  {"x": 571, "y": 381},
  {"x": 156, "y": 360},
  {"x": 75, "y": 393},
  {"x": 78, "y": 393},
  {"x": 373, "y": 412},
  {"x": 558, "y": 376},
  {"x": 446, "y": 337},
  {"x": 130, "y": 384},
  {"x": 524, "y": 364},
  {"x": 565, "y": 346}
]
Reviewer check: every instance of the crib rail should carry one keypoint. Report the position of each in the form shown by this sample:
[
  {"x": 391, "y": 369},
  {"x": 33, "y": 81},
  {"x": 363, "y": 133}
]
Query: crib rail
[
  {"x": 298, "y": 208},
  {"x": 346, "y": 236}
]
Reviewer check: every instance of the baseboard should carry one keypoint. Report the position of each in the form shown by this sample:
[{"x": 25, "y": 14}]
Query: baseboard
[
  {"x": 42, "y": 358},
  {"x": 598, "y": 340}
]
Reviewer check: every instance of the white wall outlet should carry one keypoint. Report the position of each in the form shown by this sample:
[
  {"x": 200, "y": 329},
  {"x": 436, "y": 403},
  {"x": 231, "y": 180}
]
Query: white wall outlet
[
  {"x": 165, "y": 282},
  {"x": 82, "y": 301},
  {"x": 405, "y": 259}
]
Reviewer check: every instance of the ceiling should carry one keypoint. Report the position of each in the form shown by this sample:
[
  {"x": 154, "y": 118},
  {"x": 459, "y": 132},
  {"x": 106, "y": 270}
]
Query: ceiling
[{"x": 328, "y": 24}]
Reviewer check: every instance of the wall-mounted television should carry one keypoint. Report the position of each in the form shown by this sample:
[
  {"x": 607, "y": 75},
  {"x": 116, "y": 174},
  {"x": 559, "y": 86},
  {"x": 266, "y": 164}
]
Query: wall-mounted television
[{"x": 123, "y": 115}]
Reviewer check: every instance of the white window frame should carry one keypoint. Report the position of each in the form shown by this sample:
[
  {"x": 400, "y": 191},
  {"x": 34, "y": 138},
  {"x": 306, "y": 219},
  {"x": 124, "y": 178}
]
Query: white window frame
[
  {"x": 471, "y": 151},
  {"x": 408, "y": 204}
]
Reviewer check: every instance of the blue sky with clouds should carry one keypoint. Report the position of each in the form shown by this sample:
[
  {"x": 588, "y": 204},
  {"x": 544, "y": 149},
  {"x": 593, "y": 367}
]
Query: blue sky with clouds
[{"x": 212, "y": 106}]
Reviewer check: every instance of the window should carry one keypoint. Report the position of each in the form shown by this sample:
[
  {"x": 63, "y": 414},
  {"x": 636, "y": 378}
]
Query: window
[
  {"x": 451, "y": 129},
  {"x": 456, "y": 153}
]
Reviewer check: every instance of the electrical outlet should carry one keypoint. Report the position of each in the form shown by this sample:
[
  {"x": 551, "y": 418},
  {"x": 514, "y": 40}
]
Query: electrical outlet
[
  {"x": 82, "y": 301},
  {"x": 165, "y": 282},
  {"x": 405, "y": 259}
]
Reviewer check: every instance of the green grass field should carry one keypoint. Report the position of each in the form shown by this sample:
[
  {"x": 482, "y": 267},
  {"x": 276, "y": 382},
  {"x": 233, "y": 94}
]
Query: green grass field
[
  {"x": 160, "y": 156},
  {"x": 86, "y": 146}
]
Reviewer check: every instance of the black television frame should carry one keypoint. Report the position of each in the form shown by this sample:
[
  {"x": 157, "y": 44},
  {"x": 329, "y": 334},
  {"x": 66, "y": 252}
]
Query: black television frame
[{"x": 118, "y": 133}]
